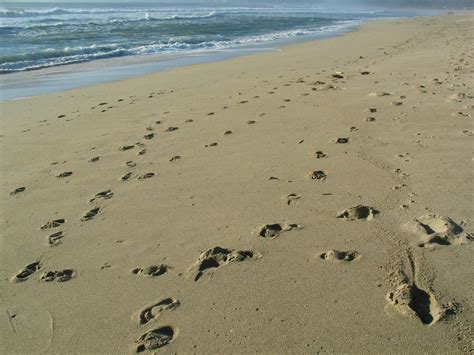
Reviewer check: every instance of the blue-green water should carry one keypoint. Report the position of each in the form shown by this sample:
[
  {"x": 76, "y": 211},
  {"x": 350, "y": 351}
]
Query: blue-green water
[{"x": 35, "y": 36}]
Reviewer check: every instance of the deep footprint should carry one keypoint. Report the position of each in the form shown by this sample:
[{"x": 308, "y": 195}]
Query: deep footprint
[
  {"x": 87, "y": 216},
  {"x": 55, "y": 238},
  {"x": 17, "y": 191},
  {"x": 59, "y": 276},
  {"x": 274, "y": 230},
  {"x": 29, "y": 269},
  {"x": 358, "y": 212},
  {"x": 155, "y": 339},
  {"x": 336, "y": 255},
  {"x": 152, "y": 270},
  {"x": 152, "y": 311},
  {"x": 53, "y": 224},
  {"x": 215, "y": 258},
  {"x": 412, "y": 301},
  {"x": 103, "y": 195}
]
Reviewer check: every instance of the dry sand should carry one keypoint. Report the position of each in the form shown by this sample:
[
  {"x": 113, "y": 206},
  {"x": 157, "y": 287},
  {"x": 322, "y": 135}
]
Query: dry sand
[{"x": 316, "y": 199}]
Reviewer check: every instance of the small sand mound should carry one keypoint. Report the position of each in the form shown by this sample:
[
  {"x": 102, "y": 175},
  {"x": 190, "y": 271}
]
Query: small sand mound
[
  {"x": 358, "y": 212},
  {"x": 438, "y": 230}
]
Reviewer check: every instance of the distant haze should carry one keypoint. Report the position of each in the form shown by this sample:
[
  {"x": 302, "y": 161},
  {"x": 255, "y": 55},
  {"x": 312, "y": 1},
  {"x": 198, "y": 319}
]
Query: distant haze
[{"x": 440, "y": 4}]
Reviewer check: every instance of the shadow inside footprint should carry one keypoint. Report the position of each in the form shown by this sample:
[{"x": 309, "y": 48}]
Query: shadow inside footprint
[
  {"x": 28, "y": 270},
  {"x": 90, "y": 214},
  {"x": 17, "y": 191},
  {"x": 412, "y": 301}
]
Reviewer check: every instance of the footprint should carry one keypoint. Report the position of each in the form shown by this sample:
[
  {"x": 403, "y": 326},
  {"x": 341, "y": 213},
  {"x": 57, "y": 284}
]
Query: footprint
[
  {"x": 437, "y": 230},
  {"x": 370, "y": 119},
  {"x": 397, "y": 103},
  {"x": 171, "y": 129},
  {"x": 142, "y": 152},
  {"x": 87, "y": 216},
  {"x": 64, "y": 174},
  {"x": 59, "y": 276},
  {"x": 251, "y": 122},
  {"x": 145, "y": 176},
  {"x": 17, "y": 191},
  {"x": 292, "y": 198},
  {"x": 317, "y": 175},
  {"x": 127, "y": 147},
  {"x": 29, "y": 269},
  {"x": 104, "y": 195},
  {"x": 130, "y": 164},
  {"x": 126, "y": 177},
  {"x": 175, "y": 157},
  {"x": 274, "y": 230},
  {"x": 152, "y": 312},
  {"x": 149, "y": 136},
  {"x": 215, "y": 258},
  {"x": 155, "y": 339},
  {"x": 152, "y": 270},
  {"x": 371, "y": 110},
  {"x": 53, "y": 224},
  {"x": 226, "y": 133},
  {"x": 94, "y": 159},
  {"x": 55, "y": 238},
  {"x": 358, "y": 212},
  {"x": 336, "y": 255},
  {"x": 320, "y": 154},
  {"x": 412, "y": 301},
  {"x": 379, "y": 94},
  {"x": 342, "y": 140}
]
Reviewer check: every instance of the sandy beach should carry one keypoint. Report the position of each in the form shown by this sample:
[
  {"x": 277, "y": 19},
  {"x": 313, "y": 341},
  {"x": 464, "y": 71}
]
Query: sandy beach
[{"x": 316, "y": 199}]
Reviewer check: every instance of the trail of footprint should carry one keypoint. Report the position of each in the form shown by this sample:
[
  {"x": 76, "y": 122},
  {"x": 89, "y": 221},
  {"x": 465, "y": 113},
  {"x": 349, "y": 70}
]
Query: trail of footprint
[
  {"x": 358, "y": 212},
  {"x": 27, "y": 271},
  {"x": 59, "y": 276},
  {"x": 155, "y": 339},
  {"x": 152, "y": 311},
  {"x": 152, "y": 270},
  {"x": 274, "y": 230},
  {"x": 215, "y": 258},
  {"x": 336, "y": 255}
]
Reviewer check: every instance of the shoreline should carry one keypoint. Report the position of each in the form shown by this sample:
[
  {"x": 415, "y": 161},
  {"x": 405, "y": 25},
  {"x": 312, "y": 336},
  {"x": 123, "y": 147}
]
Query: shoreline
[
  {"x": 313, "y": 199},
  {"x": 45, "y": 81}
]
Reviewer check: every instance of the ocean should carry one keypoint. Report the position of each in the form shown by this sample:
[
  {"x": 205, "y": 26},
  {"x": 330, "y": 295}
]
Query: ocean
[{"x": 35, "y": 36}]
